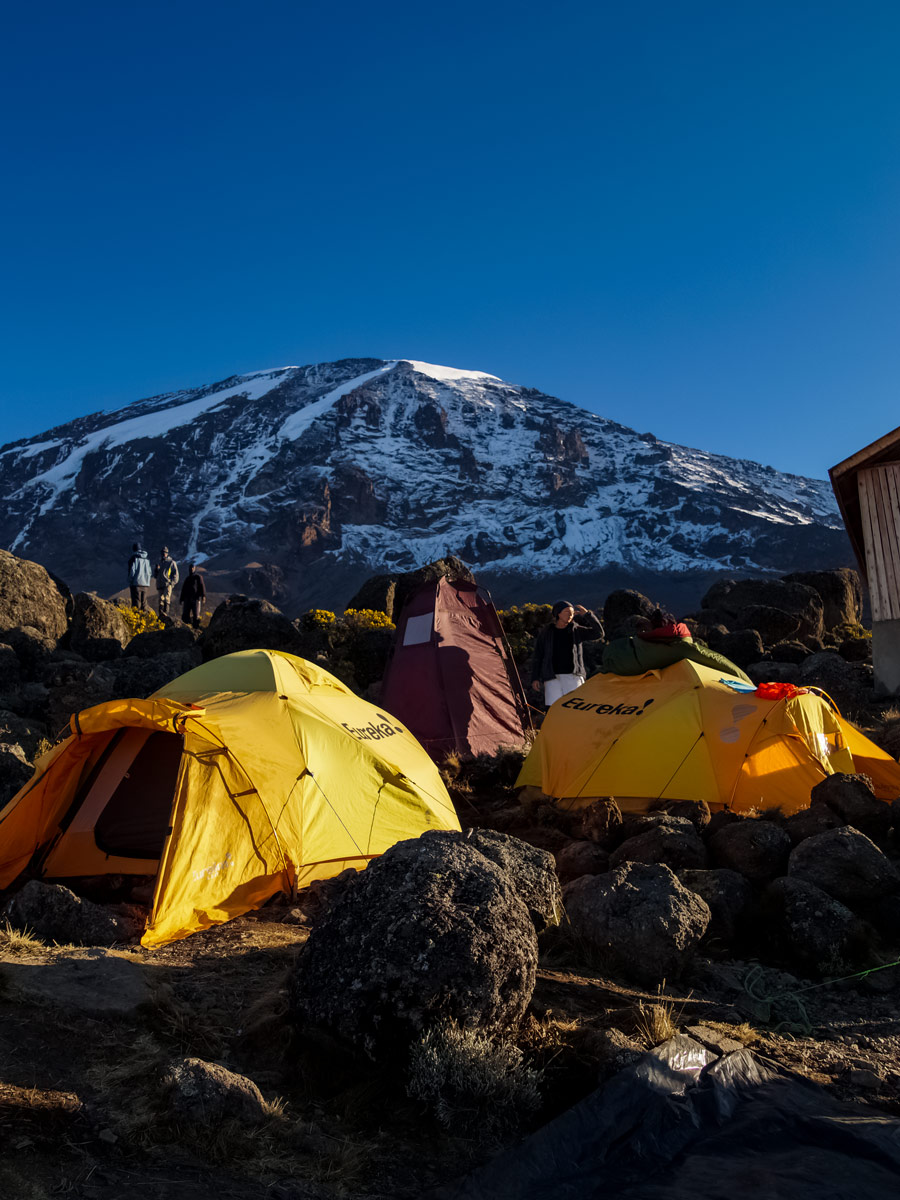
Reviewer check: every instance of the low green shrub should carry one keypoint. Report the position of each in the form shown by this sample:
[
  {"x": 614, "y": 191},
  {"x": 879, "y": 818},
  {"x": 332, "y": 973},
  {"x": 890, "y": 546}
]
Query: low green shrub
[{"x": 473, "y": 1086}]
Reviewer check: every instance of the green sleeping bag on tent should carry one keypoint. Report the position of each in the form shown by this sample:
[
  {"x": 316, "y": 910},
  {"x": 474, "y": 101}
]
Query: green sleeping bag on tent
[{"x": 634, "y": 656}]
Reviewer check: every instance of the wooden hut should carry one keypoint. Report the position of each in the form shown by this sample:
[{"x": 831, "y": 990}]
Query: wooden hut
[{"x": 867, "y": 487}]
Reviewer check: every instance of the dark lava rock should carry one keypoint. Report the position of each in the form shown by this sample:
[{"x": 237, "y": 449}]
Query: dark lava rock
[
  {"x": 848, "y": 684},
  {"x": 730, "y": 597},
  {"x": 30, "y": 600},
  {"x": 811, "y": 931},
  {"x": 601, "y": 822},
  {"x": 728, "y": 896},
  {"x": 678, "y": 848},
  {"x": 24, "y": 732},
  {"x": 55, "y": 914},
  {"x": 431, "y": 931},
  {"x": 641, "y": 917},
  {"x": 856, "y": 649},
  {"x": 719, "y": 819},
  {"x": 175, "y": 638},
  {"x": 742, "y": 647},
  {"x": 98, "y": 631},
  {"x": 531, "y": 870},
  {"x": 241, "y": 623},
  {"x": 840, "y": 591},
  {"x": 772, "y": 624},
  {"x": 810, "y": 821},
  {"x": 845, "y": 864},
  {"x": 15, "y": 770},
  {"x": 851, "y": 798},
  {"x": 758, "y": 850},
  {"x": 580, "y": 858},
  {"x": 206, "y": 1093},
  {"x": 695, "y": 811},
  {"x": 622, "y": 605},
  {"x": 794, "y": 653}
]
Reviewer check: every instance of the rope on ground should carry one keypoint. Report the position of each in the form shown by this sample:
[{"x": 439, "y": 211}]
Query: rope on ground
[{"x": 755, "y": 976}]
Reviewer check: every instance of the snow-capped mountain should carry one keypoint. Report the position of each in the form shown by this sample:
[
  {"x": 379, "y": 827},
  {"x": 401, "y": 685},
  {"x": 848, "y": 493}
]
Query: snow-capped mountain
[{"x": 336, "y": 471}]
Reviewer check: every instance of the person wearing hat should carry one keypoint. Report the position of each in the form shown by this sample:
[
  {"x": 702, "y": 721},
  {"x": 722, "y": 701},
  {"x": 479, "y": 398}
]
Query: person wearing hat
[
  {"x": 557, "y": 666},
  {"x": 139, "y": 576},
  {"x": 166, "y": 575}
]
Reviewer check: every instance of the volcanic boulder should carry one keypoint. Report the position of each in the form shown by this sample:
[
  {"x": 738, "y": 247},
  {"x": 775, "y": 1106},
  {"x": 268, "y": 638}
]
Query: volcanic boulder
[
  {"x": 850, "y": 797},
  {"x": 30, "y": 600},
  {"x": 55, "y": 914},
  {"x": 241, "y": 623},
  {"x": 845, "y": 864},
  {"x": 641, "y": 917},
  {"x": 206, "y": 1093},
  {"x": 431, "y": 931},
  {"x": 730, "y": 598},
  {"x": 840, "y": 591},
  {"x": 678, "y": 846},
  {"x": 758, "y": 850},
  {"x": 728, "y": 896},
  {"x": 98, "y": 630},
  {"x": 808, "y": 929},
  {"x": 531, "y": 870}
]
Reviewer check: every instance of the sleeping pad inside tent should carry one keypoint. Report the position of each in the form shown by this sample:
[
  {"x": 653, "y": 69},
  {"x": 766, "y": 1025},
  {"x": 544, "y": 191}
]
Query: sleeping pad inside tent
[
  {"x": 253, "y": 774},
  {"x": 688, "y": 732}
]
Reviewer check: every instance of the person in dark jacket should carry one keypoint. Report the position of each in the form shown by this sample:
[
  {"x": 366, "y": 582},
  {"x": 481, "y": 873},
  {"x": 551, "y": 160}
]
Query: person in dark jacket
[
  {"x": 557, "y": 666},
  {"x": 193, "y": 593},
  {"x": 140, "y": 575}
]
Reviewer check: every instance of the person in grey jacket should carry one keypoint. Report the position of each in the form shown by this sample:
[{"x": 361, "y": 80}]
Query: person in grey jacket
[
  {"x": 557, "y": 665},
  {"x": 140, "y": 576}
]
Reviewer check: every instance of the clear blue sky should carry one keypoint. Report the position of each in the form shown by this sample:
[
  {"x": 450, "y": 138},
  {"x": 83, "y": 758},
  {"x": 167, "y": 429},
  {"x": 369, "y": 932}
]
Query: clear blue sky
[{"x": 682, "y": 215}]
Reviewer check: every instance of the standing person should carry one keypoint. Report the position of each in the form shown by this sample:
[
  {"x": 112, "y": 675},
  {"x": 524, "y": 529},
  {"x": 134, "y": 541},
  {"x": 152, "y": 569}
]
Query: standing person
[
  {"x": 139, "y": 576},
  {"x": 193, "y": 593},
  {"x": 558, "y": 662},
  {"x": 166, "y": 574}
]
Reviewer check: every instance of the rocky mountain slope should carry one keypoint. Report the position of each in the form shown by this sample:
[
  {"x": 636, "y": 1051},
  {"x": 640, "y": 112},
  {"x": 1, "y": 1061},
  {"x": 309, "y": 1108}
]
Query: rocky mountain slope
[{"x": 334, "y": 471}]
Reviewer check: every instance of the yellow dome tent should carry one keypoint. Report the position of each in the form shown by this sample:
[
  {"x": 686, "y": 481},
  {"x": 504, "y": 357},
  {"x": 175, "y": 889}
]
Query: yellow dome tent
[
  {"x": 687, "y": 732},
  {"x": 253, "y": 774}
]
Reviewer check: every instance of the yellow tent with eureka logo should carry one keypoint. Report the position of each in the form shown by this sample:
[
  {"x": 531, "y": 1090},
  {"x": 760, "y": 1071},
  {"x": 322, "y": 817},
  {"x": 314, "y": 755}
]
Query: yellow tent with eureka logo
[
  {"x": 687, "y": 732},
  {"x": 253, "y": 774}
]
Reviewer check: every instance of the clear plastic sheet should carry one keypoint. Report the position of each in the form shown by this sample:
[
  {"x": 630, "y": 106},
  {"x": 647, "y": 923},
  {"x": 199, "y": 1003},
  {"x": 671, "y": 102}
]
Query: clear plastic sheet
[{"x": 681, "y": 1125}]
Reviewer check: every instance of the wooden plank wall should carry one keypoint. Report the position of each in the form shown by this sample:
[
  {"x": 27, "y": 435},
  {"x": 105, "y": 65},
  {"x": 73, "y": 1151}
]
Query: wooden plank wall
[{"x": 879, "y": 500}]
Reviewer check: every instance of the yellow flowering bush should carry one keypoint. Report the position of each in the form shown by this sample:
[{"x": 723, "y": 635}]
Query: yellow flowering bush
[
  {"x": 139, "y": 620},
  {"x": 317, "y": 618},
  {"x": 366, "y": 618}
]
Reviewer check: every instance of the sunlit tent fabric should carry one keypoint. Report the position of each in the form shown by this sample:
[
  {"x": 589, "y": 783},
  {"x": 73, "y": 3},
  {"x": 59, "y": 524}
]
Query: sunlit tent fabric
[
  {"x": 253, "y": 774},
  {"x": 690, "y": 733},
  {"x": 451, "y": 677}
]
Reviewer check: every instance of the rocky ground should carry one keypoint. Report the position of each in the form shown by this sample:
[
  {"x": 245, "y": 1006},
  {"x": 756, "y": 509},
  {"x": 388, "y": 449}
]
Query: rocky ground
[{"x": 383, "y": 1033}]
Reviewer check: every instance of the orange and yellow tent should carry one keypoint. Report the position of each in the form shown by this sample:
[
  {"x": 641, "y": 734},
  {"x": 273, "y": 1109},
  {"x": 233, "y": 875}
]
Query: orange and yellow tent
[
  {"x": 255, "y": 773},
  {"x": 687, "y": 732}
]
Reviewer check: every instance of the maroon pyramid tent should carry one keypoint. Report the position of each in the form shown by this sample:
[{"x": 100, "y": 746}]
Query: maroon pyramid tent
[{"x": 452, "y": 680}]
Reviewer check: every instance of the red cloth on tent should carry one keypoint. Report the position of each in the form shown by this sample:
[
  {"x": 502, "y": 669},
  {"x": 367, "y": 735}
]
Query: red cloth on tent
[
  {"x": 779, "y": 691},
  {"x": 677, "y": 629}
]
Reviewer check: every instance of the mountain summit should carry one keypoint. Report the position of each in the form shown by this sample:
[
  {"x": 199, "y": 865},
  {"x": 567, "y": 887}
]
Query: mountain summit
[{"x": 336, "y": 471}]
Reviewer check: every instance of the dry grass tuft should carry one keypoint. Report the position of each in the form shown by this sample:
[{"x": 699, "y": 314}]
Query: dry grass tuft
[
  {"x": 19, "y": 941},
  {"x": 656, "y": 1022},
  {"x": 743, "y": 1033}
]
